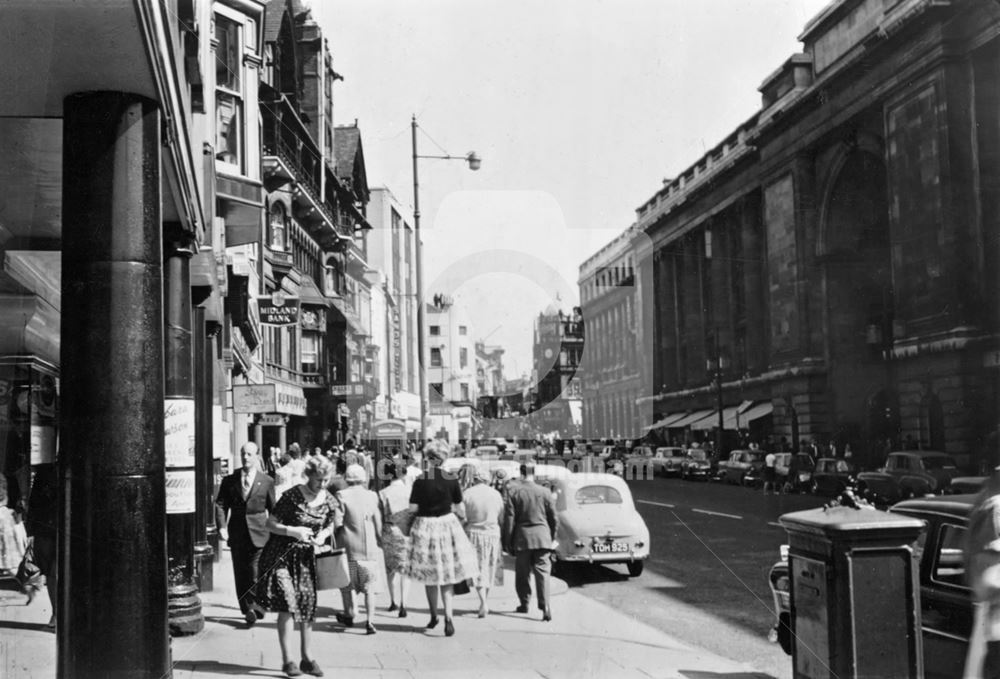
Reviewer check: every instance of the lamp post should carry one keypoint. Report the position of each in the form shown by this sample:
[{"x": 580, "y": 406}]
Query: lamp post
[
  {"x": 718, "y": 364},
  {"x": 474, "y": 162}
]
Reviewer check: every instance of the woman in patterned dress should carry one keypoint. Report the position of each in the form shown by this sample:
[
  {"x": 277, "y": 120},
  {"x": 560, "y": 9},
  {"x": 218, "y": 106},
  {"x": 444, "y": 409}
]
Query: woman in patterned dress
[
  {"x": 302, "y": 519},
  {"x": 440, "y": 553},
  {"x": 483, "y": 514}
]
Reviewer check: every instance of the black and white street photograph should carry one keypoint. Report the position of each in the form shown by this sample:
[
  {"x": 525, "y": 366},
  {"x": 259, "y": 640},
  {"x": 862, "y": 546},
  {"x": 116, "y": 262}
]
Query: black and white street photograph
[{"x": 500, "y": 339}]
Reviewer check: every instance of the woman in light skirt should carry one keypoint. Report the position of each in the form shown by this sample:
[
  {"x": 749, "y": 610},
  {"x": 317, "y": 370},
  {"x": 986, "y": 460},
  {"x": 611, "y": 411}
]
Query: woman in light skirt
[
  {"x": 440, "y": 553},
  {"x": 483, "y": 513},
  {"x": 397, "y": 517}
]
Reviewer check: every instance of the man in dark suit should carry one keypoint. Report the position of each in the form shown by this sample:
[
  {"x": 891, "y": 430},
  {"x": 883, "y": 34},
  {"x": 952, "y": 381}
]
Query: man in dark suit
[
  {"x": 247, "y": 496},
  {"x": 529, "y": 529}
]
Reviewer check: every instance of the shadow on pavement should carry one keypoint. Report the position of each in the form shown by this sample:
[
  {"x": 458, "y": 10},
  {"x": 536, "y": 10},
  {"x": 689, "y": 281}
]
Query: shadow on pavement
[
  {"x": 216, "y": 667},
  {"x": 235, "y": 623},
  {"x": 577, "y": 575}
]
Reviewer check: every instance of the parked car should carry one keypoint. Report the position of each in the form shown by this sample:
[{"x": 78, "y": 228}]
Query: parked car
[
  {"x": 744, "y": 467},
  {"x": 832, "y": 476},
  {"x": 961, "y": 485},
  {"x": 907, "y": 474},
  {"x": 795, "y": 473},
  {"x": 945, "y": 598},
  {"x": 488, "y": 452},
  {"x": 697, "y": 464},
  {"x": 639, "y": 463},
  {"x": 598, "y": 521},
  {"x": 667, "y": 460}
]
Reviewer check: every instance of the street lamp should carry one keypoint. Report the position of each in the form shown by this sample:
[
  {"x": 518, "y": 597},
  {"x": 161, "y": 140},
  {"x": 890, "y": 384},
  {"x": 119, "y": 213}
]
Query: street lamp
[
  {"x": 474, "y": 162},
  {"x": 718, "y": 364}
]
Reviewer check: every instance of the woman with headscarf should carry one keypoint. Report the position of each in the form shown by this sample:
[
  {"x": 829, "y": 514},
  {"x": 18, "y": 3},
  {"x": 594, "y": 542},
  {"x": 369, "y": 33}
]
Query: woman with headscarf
[
  {"x": 302, "y": 520},
  {"x": 396, "y": 516},
  {"x": 440, "y": 553},
  {"x": 359, "y": 528},
  {"x": 483, "y": 513}
]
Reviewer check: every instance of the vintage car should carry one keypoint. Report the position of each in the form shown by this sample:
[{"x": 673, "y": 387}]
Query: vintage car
[
  {"x": 945, "y": 598},
  {"x": 831, "y": 476},
  {"x": 961, "y": 485},
  {"x": 598, "y": 521},
  {"x": 697, "y": 464},
  {"x": 744, "y": 467},
  {"x": 638, "y": 463},
  {"x": 453, "y": 464},
  {"x": 794, "y": 471},
  {"x": 667, "y": 460},
  {"x": 907, "y": 474}
]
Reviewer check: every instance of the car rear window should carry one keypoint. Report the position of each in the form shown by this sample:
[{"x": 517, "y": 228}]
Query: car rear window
[{"x": 598, "y": 495}]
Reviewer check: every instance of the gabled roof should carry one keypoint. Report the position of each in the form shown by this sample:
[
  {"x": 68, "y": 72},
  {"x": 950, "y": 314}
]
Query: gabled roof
[
  {"x": 272, "y": 19},
  {"x": 349, "y": 157}
]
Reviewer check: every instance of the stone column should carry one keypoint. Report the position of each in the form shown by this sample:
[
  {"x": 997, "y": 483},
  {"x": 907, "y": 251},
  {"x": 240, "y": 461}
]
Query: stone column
[
  {"x": 258, "y": 435},
  {"x": 203, "y": 462},
  {"x": 112, "y": 571},
  {"x": 179, "y": 413}
]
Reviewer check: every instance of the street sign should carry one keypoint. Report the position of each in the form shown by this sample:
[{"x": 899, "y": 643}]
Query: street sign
[{"x": 254, "y": 398}]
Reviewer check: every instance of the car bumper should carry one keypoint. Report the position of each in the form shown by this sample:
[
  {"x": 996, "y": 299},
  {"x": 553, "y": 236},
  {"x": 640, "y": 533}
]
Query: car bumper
[{"x": 603, "y": 558}]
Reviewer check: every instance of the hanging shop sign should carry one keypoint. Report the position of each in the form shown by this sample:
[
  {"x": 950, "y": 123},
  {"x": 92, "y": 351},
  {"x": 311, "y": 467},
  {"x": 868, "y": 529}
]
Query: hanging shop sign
[
  {"x": 353, "y": 389},
  {"x": 254, "y": 398},
  {"x": 178, "y": 428},
  {"x": 291, "y": 399},
  {"x": 277, "y": 309},
  {"x": 180, "y": 491}
]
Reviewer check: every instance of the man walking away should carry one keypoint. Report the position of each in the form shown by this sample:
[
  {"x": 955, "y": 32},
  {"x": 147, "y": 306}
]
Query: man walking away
[
  {"x": 247, "y": 497},
  {"x": 770, "y": 474},
  {"x": 529, "y": 533}
]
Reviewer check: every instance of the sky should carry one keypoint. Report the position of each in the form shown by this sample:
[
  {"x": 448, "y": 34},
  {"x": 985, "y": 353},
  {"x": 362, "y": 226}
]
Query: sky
[{"x": 578, "y": 108}]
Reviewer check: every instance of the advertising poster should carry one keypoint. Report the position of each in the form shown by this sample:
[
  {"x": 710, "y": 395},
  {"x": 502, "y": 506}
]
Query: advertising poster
[
  {"x": 180, "y": 491},
  {"x": 178, "y": 428}
]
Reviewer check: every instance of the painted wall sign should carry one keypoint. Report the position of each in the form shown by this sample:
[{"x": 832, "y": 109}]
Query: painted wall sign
[
  {"x": 278, "y": 310},
  {"x": 254, "y": 398},
  {"x": 180, "y": 491},
  {"x": 178, "y": 429},
  {"x": 43, "y": 444}
]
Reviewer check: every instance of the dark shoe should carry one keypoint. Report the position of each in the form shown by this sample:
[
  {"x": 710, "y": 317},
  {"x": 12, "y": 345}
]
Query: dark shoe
[
  {"x": 523, "y": 608},
  {"x": 290, "y": 669},
  {"x": 433, "y": 622},
  {"x": 369, "y": 629},
  {"x": 449, "y": 629},
  {"x": 402, "y": 611},
  {"x": 257, "y": 611},
  {"x": 345, "y": 620},
  {"x": 310, "y": 667},
  {"x": 250, "y": 618},
  {"x": 546, "y": 614},
  {"x": 392, "y": 607}
]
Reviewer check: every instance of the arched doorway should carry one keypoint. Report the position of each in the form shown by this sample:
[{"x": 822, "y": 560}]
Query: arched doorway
[{"x": 854, "y": 250}]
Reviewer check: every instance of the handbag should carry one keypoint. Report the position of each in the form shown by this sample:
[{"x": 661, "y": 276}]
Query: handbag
[
  {"x": 332, "y": 571},
  {"x": 461, "y": 587}
]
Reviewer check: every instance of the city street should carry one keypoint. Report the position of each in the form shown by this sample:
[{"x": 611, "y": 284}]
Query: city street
[{"x": 706, "y": 580}]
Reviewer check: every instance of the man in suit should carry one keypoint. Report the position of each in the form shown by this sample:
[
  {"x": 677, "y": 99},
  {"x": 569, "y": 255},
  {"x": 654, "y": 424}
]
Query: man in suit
[
  {"x": 529, "y": 530},
  {"x": 247, "y": 497}
]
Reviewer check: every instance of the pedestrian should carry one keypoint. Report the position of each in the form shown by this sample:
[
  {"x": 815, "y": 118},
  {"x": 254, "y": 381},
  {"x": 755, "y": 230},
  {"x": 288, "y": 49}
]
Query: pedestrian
[
  {"x": 246, "y": 498},
  {"x": 13, "y": 539},
  {"x": 483, "y": 514},
  {"x": 770, "y": 473},
  {"x": 982, "y": 558},
  {"x": 40, "y": 525},
  {"x": 291, "y": 473},
  {"x": 440, "y": 553},
  {"x": 397, "y": 517},
  {"x": 359, "y": 531},
  {"x": 301, "y": 522},
  {"x": 529, "y": 530}
]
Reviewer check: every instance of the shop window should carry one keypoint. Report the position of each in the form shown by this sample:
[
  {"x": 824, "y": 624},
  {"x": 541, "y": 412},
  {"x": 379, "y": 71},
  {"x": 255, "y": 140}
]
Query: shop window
[{"x": 278, "y": 227}]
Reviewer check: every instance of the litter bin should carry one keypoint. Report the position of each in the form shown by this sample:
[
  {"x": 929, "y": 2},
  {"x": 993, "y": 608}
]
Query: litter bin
[{"x": 855, "y": 593}]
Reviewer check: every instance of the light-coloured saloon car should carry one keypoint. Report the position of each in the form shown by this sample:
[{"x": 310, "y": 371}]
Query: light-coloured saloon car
[{"x": 598, "y": 522}]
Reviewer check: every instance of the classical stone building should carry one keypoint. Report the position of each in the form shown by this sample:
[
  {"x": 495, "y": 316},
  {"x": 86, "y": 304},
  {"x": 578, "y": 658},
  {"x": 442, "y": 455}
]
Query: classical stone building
[{"x": 836, "y": 256}]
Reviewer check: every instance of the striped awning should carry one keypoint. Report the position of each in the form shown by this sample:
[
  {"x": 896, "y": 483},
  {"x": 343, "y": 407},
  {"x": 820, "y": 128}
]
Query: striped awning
[{"x": 691, "y": 418}]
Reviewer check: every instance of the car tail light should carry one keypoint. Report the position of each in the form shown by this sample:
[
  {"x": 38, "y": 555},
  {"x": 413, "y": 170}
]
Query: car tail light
[
  {"x": 783, "y": 551},
  {"x": 640, "y": 544},
  {"x": 579, "y": 543}
]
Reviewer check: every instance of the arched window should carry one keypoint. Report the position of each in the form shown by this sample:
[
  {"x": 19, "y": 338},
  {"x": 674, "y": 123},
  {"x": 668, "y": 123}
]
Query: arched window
[{"x": 278, "y": 227}]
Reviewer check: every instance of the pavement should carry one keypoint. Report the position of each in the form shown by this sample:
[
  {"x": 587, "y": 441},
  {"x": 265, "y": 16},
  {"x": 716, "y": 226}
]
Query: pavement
[{"x": 585, "y": 639}]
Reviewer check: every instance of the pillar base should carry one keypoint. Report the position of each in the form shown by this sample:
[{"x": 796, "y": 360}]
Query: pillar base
[
  {"x": 213, "y": 540},
  {"x": 204, "y": 558},
  {"x": 184, "y": 610}
]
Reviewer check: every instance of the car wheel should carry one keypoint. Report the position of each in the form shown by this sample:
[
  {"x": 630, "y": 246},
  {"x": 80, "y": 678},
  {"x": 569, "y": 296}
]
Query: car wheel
[{"x": 635, "y": 568}]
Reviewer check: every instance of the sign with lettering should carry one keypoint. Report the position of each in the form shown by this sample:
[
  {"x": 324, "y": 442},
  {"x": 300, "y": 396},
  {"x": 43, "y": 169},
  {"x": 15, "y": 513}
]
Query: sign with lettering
[
  {"x": 353, "y": 389},
  {"x": 397, "y": 351},
  {"x": 180, "y": 491},
  {"x": 254, "y": 398},
  {"x": 277, "y": 309},
  {"x": 178, "y": 430},
  {"x": 291, "y": 399}
]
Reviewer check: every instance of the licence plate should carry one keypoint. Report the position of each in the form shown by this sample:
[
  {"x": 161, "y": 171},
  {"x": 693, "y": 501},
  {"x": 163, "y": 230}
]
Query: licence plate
[{"x": 610, "y": 547}]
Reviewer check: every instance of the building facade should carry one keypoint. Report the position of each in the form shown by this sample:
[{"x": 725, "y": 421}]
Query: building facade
[
  {"x": 832, "y": 261},
  {"x": 557, "y": 353},
  {"x": 451, "y": 370}
]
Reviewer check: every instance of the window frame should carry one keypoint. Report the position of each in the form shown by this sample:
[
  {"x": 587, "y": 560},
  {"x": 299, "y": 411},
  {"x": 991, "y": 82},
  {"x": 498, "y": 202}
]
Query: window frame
[{"x": 237, "y": 93}]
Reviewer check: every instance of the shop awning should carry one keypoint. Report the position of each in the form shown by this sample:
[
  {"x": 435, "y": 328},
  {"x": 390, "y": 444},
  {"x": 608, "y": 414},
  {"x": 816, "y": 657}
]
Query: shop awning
[
  {"x": 691, "y": 418},
  {"x": 712, "y": 421},
  {"x": 666, "y": 421},
  {"x": 762, "y": 409}
]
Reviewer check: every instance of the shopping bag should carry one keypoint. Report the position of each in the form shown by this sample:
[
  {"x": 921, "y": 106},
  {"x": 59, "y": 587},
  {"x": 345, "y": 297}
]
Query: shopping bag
[
  {"x": 461, "y": 587},
  {"x": 332, "y": 571}
]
